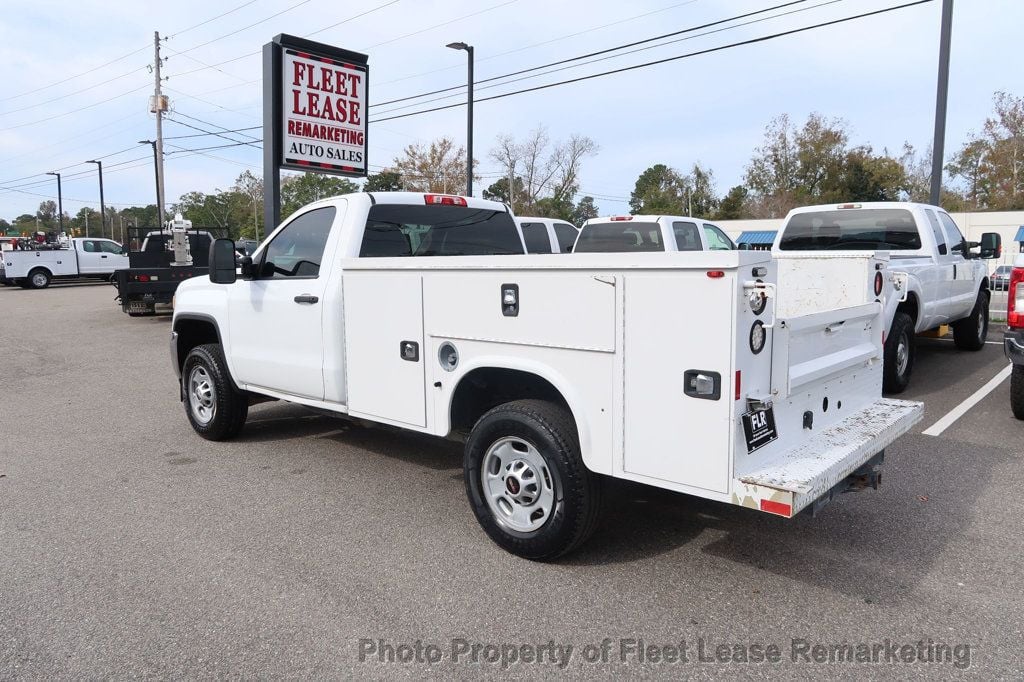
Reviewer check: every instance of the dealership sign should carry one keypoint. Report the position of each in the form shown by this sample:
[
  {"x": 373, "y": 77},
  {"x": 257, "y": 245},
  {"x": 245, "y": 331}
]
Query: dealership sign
[{"x": 319, "y": 94}]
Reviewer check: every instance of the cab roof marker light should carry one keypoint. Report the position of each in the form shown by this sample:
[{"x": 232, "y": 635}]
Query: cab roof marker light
[
  {"x": 621, "y": 217},
  {"x": 841, "y": 206},
  {"x": 443, "y": 200}
]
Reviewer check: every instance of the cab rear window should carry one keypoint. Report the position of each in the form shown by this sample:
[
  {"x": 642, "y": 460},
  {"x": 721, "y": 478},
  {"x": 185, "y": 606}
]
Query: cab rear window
[
  {"x": 890, "y": 229},
  {"x": 619, "y": 236},
  {"x": 396, "y": 230}
]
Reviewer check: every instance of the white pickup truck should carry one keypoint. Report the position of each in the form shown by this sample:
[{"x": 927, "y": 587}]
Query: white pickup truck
[
  {"x": 84, "y": 258},
  {"x": 941, "y": 281},
  {"x": 650, "y": 233},
  {"x": 673, "y": 370}
]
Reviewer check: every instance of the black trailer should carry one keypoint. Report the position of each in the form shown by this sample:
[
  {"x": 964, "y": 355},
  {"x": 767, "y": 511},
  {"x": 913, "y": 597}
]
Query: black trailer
[{"x": 151, "y": 278}]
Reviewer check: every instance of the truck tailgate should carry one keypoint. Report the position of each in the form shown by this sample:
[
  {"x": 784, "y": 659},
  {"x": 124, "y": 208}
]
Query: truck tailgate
[{"x": 797, "y": 477}]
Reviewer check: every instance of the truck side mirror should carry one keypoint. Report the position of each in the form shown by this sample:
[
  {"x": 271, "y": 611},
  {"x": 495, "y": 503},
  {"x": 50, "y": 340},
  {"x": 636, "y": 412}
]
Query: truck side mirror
[
  {"x": 743, "y": 247},
  {"x": 991, "y": 245},
  {"x": 222, "y": 261}
]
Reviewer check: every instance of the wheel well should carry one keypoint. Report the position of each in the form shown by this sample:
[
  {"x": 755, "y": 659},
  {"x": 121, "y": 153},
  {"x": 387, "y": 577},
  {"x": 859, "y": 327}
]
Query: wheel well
[
  {"x": 910, "y": 307},
  {"x": 192, "y": 333},
  {"x": 487, "y": 387},
  {"x": 985, "y": 284},
  {"x": 40, "y": 267}
]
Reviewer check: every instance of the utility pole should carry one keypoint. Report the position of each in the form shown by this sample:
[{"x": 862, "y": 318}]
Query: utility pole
[
  {"x": 469, "y": 114},
  {"x": 87, "y": 221},
  {"x": 941, "y": 96},
  {"x": 511, "y": 192},
  {"x": 158, "y": 106}
]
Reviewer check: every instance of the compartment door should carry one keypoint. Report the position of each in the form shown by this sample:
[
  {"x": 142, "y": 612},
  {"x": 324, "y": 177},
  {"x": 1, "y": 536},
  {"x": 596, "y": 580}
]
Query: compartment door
[
  {"x": 384, "y": 352},
  {"x": 675, "y": 322}
]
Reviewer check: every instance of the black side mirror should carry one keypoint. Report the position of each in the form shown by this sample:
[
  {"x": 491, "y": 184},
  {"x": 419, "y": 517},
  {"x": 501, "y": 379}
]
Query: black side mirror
[
  {"x": 222, "y": 262},
  {"x": 991, "y": 245},
  {"x": 743, "y": 247},
  {"x": 245, "y": 265}
]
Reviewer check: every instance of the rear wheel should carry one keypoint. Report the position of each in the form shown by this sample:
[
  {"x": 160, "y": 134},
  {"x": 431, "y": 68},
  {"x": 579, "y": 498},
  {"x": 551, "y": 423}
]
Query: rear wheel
[
  {"x": 526, "y": 480},
  {"x": 899, "y": 354},
  {"x": 39, "y": 278},
  {"x": 1017, "y": 391},
  {"x": 970, "y": 333},
  {"x": 215, "y": 409}
]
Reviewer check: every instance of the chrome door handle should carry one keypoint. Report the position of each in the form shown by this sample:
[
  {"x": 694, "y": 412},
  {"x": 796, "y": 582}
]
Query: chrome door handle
[{"x": 306, "y": 298}]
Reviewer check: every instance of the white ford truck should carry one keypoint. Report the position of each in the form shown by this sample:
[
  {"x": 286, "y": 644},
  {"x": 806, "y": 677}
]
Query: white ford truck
[
  {"x": 422, "y": 312},
  {"x": 941, "y": 280},
  {"x": 647, "y": 233},
  {"x": 82, "y": 258}
]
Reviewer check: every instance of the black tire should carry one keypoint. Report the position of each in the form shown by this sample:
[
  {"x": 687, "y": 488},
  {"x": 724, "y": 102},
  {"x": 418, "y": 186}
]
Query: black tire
[
  {"x": 1017, "y": 391},
  {"x": 970, "y": 333},
  {"x": 897, "y": 370},
  {"x": 575, "y": 490},
  {"x": 229, "y": 406},
  {"x": 39, "y": 278}
]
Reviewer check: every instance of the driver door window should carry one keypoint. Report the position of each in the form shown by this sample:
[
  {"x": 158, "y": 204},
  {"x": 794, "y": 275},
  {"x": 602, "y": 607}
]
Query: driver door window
[
  {"x": 297, "y": 249},
  {"x": 717, "y": 240}
]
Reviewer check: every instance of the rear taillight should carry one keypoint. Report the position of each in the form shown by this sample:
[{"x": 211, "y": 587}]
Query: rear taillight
[
  {"x": 143, "y": 278},
  {"x": 1015, "y": 302},
  {"x": 444, "y": 200}
]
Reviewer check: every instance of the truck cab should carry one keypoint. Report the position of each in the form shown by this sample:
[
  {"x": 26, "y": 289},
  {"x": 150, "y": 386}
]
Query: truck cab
[
  {"x": 547, "y": 235},
  {"x": 650, "y": 233}
]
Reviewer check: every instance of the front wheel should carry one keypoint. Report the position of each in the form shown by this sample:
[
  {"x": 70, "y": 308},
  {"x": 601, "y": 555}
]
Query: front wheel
[
  {"x": 1017, "y": 391},
  {"x": 899, "y": 354},
  {"x": 215, "y": 409},
  {"x": 970, "y": 333},
  {"x": 526, "y": 480}
]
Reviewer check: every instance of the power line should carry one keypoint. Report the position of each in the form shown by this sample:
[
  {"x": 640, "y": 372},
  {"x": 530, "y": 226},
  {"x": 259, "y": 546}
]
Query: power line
[
  {"x": 620, "y": 54},
  {"x": 208, "y": 132},
  {"x": 593, "y": 54},
  {"x": 236, "y": 130},
  {"x": 74, "y": 111},
  {"x": 204, "y": 23},
  {"x": 662, "y": 61},
  {"x": 245, "y": 28},
  {"x": 445, "y": 23}
]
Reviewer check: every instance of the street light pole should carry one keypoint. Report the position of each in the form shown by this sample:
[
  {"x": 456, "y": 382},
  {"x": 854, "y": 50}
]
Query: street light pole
[
  {"x": 60, "y": 202},
  {"x": 941, "y": 96},
  {"x": 469, "y": 115},
  {"x": 156, "y": 174},
  {"x": 103, "y": 206}
]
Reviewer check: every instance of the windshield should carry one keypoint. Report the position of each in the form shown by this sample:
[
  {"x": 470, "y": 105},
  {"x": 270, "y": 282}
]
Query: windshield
[
  {"x": 889, "y": 229},
  {"x": 619, "y": 236}
]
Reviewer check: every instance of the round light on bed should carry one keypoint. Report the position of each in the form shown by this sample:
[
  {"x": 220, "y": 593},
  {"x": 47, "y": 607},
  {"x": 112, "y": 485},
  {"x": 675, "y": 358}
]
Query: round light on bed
[{"x": 757, "y": 337}]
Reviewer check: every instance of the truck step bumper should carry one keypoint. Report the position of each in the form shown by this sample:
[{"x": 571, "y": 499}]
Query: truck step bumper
[{"x": 800, "y": 476}]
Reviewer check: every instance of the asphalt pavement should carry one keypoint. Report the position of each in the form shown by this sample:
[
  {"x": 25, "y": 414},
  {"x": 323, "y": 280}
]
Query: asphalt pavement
[{"x": 313, "y": 547}]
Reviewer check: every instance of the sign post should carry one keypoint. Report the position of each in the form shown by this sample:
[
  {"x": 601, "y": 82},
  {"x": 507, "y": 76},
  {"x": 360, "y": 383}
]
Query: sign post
[{"x": 314, "y": 114}]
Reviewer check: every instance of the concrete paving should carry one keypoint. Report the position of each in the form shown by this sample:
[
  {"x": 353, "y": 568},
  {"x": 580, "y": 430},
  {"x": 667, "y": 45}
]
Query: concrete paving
[{"x": 131, "y": 547}]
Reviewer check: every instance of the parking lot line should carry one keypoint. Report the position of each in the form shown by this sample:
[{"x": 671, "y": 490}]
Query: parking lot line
[{"x": 960, "y": 410}]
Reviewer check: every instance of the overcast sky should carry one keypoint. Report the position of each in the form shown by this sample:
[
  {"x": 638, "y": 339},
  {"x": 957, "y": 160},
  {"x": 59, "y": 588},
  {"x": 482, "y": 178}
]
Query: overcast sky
[{"x": 65, "y": 99}]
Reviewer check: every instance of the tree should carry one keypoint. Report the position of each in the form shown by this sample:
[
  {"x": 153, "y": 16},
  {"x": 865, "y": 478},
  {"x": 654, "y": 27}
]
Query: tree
[
  {"x": 384, "y": 181},
  {"x": 439, "y": 167},
  {"x": 498, "y": 191},
  {"x": 772, "y": 173},
  {"x": 140, "y": 216},
  {"x": 305, "y": 188},
  {"x": 585, "y": 210},
  {"x": 733, "y": 205},
  {"x": 249, "y": 187},
  {"x": 659, "y": 189},
  {"x": 992, "y": 164},
  {"x": 47, "y": 214},
  {"x": 702, "y": 202},
  {"x": 541, "y": 171}
]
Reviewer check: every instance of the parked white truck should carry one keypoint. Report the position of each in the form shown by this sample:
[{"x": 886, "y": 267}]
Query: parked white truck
[
  {"x": 650, "y": 233},
  {"x": 942, "y": 281},
  {"x": 83, "y": 258},
  {"x": 675, "y": 371}
]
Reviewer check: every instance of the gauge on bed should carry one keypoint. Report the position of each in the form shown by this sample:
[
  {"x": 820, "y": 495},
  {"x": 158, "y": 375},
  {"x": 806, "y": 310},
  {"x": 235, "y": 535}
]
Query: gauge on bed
[{"x": 758, "y": 301}]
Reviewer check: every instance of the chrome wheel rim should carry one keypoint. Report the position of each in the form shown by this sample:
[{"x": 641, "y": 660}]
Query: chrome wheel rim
[
  {"x": 982, "y": 318},
  {"x": 202, "y": 395},
  {"x": 517, "y": 484},
  {"x": 902, "y": 355},
  {"x": 39, "y": 279}
]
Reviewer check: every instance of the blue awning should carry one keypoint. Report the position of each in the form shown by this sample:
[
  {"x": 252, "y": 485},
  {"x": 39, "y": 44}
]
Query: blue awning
[
  {"x": 761, "y": 237},
  {"x": 1020, "y": 234}
]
